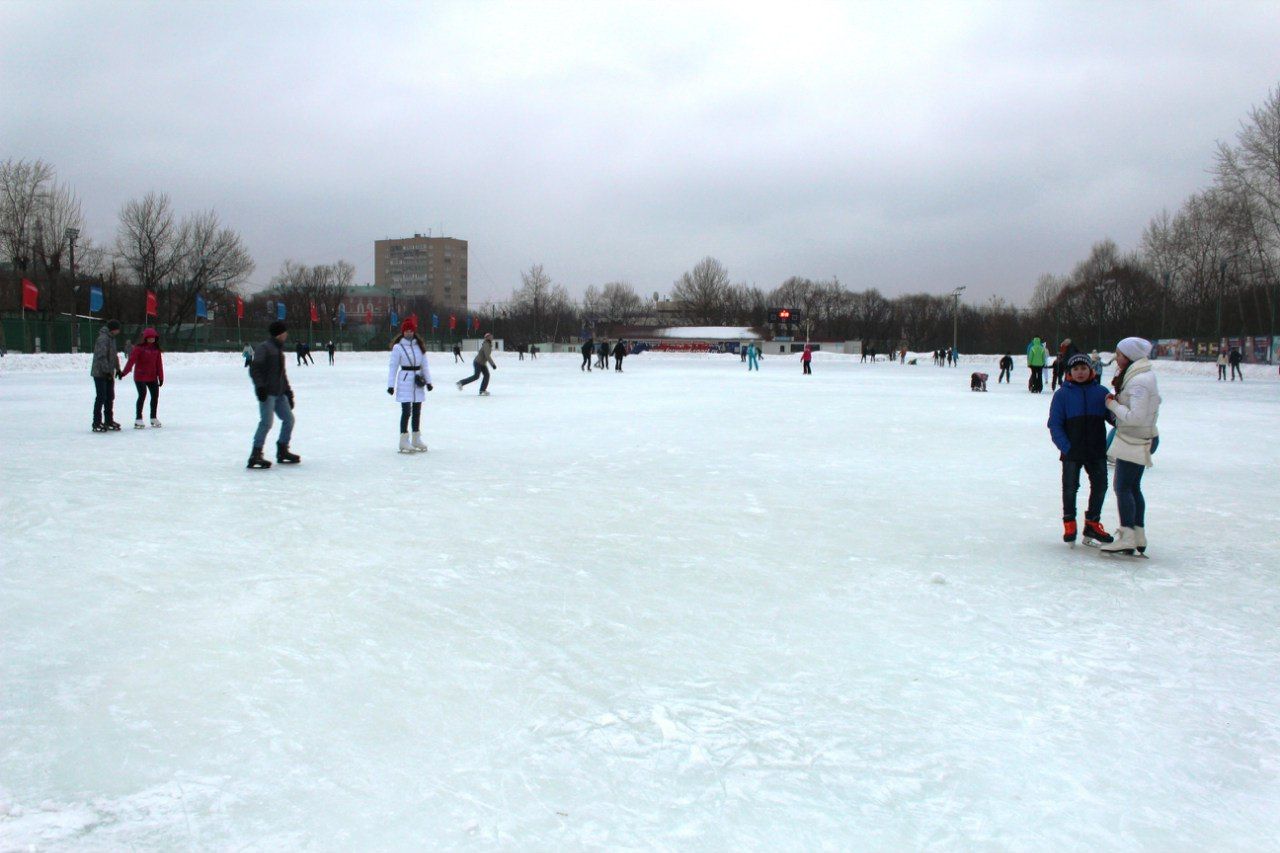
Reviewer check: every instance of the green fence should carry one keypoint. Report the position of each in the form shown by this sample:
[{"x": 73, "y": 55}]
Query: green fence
[{"x": 59, "y": 335}]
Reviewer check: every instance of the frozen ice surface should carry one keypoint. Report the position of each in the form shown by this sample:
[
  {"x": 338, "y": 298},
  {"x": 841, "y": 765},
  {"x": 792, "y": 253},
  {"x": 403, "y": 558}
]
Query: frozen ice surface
[{"x": 683, "y": 606}]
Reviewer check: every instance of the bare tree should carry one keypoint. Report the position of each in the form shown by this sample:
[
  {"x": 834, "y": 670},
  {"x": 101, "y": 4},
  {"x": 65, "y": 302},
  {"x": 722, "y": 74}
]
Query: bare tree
[
  {"x": 23, "y": 185},
  {"x": 702, "y": 291}
]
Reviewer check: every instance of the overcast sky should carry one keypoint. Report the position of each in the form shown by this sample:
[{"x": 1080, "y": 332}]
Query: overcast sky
[{"x": 909, "y": 147}]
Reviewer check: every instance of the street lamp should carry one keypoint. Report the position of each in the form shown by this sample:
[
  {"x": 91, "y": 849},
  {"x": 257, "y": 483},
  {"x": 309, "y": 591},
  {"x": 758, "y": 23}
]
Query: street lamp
[
  {"x": 955, "y": 319},
  {"x": 71, "y": 234}
]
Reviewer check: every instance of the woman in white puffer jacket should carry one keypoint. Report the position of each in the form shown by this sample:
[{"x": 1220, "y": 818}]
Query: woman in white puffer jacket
[
  {"x": 409, "y": 379},
  {"x": 1136, "y": 406}
]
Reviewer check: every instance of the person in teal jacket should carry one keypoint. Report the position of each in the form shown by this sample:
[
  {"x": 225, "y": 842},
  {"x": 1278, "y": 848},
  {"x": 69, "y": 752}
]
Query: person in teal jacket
[
  {"x": 753, "y": 357},
  {"x": 1036, "y": 358}
]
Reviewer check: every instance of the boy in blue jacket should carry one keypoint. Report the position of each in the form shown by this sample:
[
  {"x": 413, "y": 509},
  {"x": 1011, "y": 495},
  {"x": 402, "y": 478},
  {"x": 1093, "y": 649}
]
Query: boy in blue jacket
[{"x": 1078, "y": 418}]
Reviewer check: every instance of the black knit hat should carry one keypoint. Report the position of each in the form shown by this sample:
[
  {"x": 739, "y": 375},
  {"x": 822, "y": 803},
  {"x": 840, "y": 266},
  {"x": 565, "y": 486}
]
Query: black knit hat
[
  {"x": 113, "y": 325},
  {"x": 277, "y": 327},
  {"x": 1079, "y": 358}
]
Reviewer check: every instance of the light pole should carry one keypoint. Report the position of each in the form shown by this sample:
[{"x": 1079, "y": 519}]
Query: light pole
[
  {"x": 1164, "y": 298},
  {"x": 1101, "y": 292},
  {"x": 71, "y": 234},
  {"x": 955, "y": 320}
]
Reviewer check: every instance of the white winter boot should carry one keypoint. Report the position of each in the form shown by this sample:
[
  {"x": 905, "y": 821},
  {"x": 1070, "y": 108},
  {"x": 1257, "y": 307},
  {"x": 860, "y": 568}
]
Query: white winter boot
[
  {"x": 138, "y": 424},
  {"x": 1140, "y": 539},
  {"x": 417, "y": 444},
  {"x": 1123, "y": 542},
  {"x": 155, "y": 423},
  {"x": 405, "y": 447}
]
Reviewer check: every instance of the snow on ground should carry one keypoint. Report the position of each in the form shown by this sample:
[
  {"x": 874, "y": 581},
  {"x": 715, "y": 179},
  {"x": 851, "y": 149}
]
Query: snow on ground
[{"x": 684, "y": 606}]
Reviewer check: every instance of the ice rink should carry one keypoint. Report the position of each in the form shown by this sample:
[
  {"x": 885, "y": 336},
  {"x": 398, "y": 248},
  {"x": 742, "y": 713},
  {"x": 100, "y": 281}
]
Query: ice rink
[{"x": 681, "y": 607}]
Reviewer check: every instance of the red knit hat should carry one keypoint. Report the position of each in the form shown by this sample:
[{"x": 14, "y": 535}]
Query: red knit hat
[{"x": 410, "y": 324}]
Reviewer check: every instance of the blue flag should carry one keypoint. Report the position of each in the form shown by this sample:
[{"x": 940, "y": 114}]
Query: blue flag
[
  {"x": 435, "y": 321},
  {"x": 95, "y": 299},
  {"x": 342, "y": 315},
  {"x": 279, "y": 310},
  {"x": 395, "y": 321},
  {"x": 202, "y": 310}
]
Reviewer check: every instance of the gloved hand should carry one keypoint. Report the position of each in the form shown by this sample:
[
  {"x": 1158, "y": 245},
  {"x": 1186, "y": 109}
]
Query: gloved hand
[
  {"x": 119, "y": 374},
  {"x": 159, "y": 383},
  {"x": 430, "y": 387},
  {"x": 290, "y": 399},
  {"x": 391, "y": 390},
  {"x": 261, "y": 394}
]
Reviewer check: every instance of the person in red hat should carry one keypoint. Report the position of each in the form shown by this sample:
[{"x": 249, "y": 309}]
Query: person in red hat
[
  {"x": 408, "y": 379},
  {"x": 147, "y": 365}
]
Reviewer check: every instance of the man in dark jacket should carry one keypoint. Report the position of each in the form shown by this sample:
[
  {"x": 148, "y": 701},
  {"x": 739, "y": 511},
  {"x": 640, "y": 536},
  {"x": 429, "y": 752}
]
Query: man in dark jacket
[
  {"x": 588, "y": 348},
  {"x": 275, "y": 397},
  {"x": 1078, "y": 418},
  {"x": 1066, "y": 349},
  {"x": 1006, "y": 369},
  {"x": 619, "y": 350},
  {"x": 105, "y": 370},
  {"x": 1234, "y": 360}
]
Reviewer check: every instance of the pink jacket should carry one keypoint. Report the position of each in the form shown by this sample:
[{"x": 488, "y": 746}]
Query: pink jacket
[
  {"x": 807, "y": 355},
  {"x": 148, "y": 361}
]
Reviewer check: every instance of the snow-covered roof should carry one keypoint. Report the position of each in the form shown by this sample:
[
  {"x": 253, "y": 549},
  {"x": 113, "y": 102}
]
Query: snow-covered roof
[{"x": 719, "y": 333}]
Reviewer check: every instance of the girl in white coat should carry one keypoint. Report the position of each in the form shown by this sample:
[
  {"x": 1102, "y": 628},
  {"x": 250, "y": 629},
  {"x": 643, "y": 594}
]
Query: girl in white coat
[
  {"x": 409, "y": 379},
  {"x": 1135, "y": 405}
]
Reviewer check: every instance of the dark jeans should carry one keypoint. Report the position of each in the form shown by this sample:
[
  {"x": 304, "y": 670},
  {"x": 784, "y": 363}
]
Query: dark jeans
[
  {"x": 480, "y": 370},
  {"x": 278, "y": 405},
  {"x": 1128, "y": 486},
  {"x": 143, "y": 387},
  {"x": 617, "y": 363},
  {"x": 1236, "y": 371},
  {"x": 807, "y": 369},
  {"x": 1006, "y": 375},
  {"x": 1036, "y": 383},
  {"x": 1096, "y": 469},
  {"x": 586, "y": 363},
  {"x": 1222, "y": 372},
  {"x": 104, "y": 401},
  {"x": 407, "y": 411}
]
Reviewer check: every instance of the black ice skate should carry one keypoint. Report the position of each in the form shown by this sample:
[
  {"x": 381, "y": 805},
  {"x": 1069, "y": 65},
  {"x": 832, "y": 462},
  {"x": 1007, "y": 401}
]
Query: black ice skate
[
  {"x": 256, "y": 460},
  {"x": 284, "y": 457}
]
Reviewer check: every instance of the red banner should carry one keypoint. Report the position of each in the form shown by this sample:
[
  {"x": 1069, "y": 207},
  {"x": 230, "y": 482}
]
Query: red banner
[
  {"x": 453, "y": 322},
  {"x": 477, "y": 323},
  {"x": 30, "y": 296},
  {"x": 239, "y": 308},
  {"x": 315, "y": 315},
  {"x": 152, "y": 310}
]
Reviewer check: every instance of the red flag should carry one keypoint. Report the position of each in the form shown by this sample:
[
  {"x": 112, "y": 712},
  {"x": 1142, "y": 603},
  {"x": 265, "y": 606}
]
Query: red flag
[
  {"x": 477, "y": 323},
  {"x": 368, "y": 317},
  {"x": 315, "y": 315},
  {"x": 30, "y": 295},
  {"x": 152, "y": 310},
  {"x": 239, "y": 308},
  {"x": 453, "y": 322}
]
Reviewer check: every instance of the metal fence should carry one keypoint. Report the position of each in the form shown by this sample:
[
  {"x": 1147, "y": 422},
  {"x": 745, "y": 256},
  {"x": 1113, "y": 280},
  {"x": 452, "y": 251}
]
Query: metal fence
[{"x": 32, "y": 334}]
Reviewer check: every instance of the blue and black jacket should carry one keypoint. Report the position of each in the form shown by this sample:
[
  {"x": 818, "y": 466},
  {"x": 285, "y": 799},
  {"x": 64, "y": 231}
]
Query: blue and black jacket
[{"x": 1078, "y": 418}]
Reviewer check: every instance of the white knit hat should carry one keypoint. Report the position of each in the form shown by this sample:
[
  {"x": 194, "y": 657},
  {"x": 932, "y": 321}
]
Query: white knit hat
[{"x": 1134, "y": 348}]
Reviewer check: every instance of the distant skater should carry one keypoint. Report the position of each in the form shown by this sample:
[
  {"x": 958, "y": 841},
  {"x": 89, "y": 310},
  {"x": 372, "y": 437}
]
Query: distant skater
[
  {"x": 806, "y": 359},
  {"x": 480, "y": 366},
  {"x": 457, "y": 353},
  {"x": 753, "y": 358},
  {"x": 1006, "y": 370},
  {"x": 332, "y": 349},
  {"x": 588, "y": 350},
  {"x": 1222, "y": 366},
  {"x": 1234, "y": 360},
  {"x": 602, "y": 352},
  {"x": 619, "y": 352}
]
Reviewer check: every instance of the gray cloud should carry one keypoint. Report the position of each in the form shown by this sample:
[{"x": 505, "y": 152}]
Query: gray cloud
[{"x": 907, "y": 147}]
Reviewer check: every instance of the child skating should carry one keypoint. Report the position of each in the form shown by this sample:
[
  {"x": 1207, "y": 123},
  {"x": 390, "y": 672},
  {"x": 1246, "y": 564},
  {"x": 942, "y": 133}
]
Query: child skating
[{"x": 1078, "y": 419}]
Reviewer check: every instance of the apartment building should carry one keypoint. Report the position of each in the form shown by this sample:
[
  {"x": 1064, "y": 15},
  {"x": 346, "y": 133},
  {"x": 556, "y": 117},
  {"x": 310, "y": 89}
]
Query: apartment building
[{"x": 435, "y": 267}]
